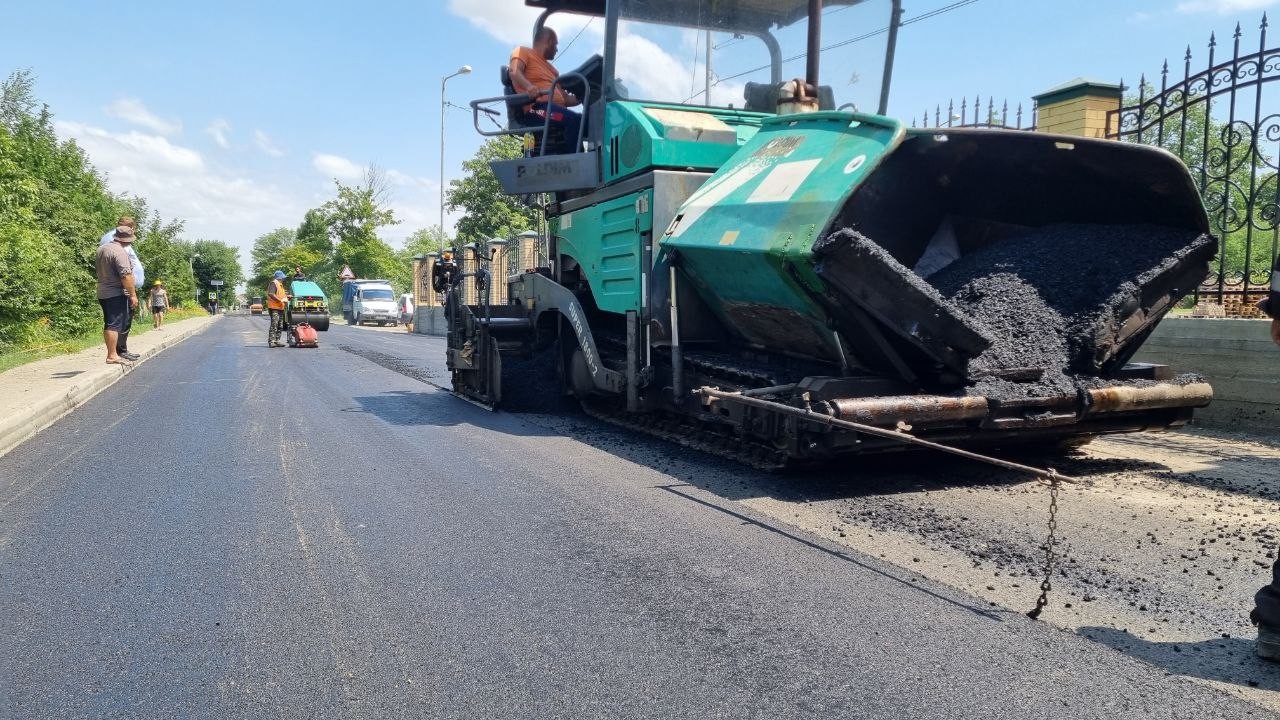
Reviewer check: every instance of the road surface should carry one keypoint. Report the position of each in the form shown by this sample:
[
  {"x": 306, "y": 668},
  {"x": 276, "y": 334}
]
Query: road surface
[{"x": 237, "y": 531}]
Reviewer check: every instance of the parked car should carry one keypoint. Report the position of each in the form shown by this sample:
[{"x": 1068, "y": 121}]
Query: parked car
[{"x": 366, "y": 301}]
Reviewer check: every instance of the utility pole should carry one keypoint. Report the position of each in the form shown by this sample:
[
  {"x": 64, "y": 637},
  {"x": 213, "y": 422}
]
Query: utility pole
[
  {"x": 707, "y": 67},
  {"x": 465, "y": 69}
]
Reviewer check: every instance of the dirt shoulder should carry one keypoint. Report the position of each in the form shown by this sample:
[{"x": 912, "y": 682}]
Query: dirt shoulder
[{"x": 1161, "y": 552}]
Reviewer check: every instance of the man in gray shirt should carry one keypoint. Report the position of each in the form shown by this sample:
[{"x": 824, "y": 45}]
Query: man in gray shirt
[
  {"x": 139, "y": 279},
  {"x": 116, "y": 292}
]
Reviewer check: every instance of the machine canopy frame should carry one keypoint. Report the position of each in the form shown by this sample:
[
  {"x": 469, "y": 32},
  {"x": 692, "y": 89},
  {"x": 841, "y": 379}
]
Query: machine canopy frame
[
  {"x": 747, "y": 17},
  {"x": 744, "y": 16}
]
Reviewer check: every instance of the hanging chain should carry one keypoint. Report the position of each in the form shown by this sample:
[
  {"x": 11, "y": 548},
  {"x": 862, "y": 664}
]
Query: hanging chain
[{"x": 1050, "y": 554}]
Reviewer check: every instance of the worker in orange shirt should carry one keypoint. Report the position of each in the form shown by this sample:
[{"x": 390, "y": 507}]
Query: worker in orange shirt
[
  {"x": 276, "y": 299},
  {"x": 533, "y": 74}
]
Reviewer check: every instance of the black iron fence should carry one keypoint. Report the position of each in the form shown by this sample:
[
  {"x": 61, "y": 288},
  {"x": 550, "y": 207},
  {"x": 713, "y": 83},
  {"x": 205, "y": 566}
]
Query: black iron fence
[
  {"x": 965, "y": 115},
  {"x": 1223, "y": 125}
]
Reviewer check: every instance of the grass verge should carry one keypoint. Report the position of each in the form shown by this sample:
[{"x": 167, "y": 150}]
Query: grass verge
[{"x": 47, "y": 347}]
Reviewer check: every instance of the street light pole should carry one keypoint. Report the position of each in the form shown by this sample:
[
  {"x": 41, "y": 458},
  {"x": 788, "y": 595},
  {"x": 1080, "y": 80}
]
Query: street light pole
[
  {"x": 195, "y": 286},
  {"x": 461, "y": 71}
]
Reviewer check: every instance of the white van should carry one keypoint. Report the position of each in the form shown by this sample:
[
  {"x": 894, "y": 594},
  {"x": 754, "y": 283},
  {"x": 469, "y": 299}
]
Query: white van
[{"x": 374, "y": 302}]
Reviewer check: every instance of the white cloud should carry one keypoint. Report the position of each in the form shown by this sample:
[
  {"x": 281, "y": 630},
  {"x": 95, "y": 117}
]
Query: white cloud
[
  {"x": 1223, "y": 7},
  {"x": 131, "y": 110},
  {"x": 506, "y": 21},
  {"x": 404, "y": 180},
  {"x": 416, "y": 203},
  {"x": 263, "y": 141},
  {"x": 644, "y": 66},
  {"x": 512, "y": 22},
  {"x": 132, "y": 151},
  {"x": 337, "y": 167},
  {"x": 178, "y": 183},
  {"x": 650, "y": 72},
  {"x": 218, "y": 130}
]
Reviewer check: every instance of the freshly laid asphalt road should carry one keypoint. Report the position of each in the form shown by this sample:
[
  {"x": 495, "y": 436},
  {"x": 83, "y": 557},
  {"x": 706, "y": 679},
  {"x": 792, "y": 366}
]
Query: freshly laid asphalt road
[{"x": 233, "y": 531}]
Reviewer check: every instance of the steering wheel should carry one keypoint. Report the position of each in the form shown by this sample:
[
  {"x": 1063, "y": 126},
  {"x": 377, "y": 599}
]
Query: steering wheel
[{"x": 593, "y": 70}]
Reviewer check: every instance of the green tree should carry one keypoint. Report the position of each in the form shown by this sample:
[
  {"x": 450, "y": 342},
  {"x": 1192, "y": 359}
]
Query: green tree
[
  {"x": 313, "y": 238},
  {"x": 488, "y": 212},
  {"x": 53, "y": 209},
  {"x": 1220, "y": 158},
  {"x": 267, "y": 256},
  {"x": 426, "y": 240},
  {"x": 164, "y": 254},
  {"x": 18, "y": 99},
  {"x": 354, "y": 217},
  {"x": 216, "y": 260},
  {"x": 313, "y": 233}
]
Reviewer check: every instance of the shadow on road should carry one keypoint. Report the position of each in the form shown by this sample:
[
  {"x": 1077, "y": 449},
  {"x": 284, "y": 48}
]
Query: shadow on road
[
  {"x": 436, "y": 408},
  {"x": 1228, "y": 660},
  {"x": 846, "y": 556},
  {"x": 849, "y": 477}
]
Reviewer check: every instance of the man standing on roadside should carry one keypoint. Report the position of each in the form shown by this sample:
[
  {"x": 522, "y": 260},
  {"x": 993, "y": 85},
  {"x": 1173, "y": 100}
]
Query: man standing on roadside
[
  {"x": 139, "y": 277},
  {"x": 116, "y": 291},
  {"x": 276, "y": 299},
  {"x": 159, "y": 303},
  {"x": 1266, "y": 610}
]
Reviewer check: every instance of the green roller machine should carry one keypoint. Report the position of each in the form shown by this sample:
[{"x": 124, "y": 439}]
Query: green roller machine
[
  {"x": 307, "y": 304},
  {"x": 765, "y": 274}
]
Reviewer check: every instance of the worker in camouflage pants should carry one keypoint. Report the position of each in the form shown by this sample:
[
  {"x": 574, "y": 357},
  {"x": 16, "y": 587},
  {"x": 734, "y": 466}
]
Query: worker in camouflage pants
[
  {"x": 276, "y": 299},
  {"x": 1266, "y": 611}
]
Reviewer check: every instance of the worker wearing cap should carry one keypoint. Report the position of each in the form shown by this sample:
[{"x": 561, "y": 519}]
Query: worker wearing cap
[
  {"x": 1266, "y": 610},
  {"x": 139, "y": 277},
  {"x": 116, "y": 291},
  {"x": 445, "y": 273},
  {"x": 276, "y": 299},
  {"x": 159, "y": 303}
]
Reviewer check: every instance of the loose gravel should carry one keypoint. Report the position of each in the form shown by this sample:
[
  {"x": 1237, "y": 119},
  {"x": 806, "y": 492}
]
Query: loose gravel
[{"x": 395, "y": 364}]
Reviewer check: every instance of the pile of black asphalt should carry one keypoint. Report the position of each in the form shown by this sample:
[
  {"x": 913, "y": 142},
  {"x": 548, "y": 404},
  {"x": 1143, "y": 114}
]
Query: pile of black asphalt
[
  {"x": 530, "y": 384},
  {"x": 1051, "y": 297}
]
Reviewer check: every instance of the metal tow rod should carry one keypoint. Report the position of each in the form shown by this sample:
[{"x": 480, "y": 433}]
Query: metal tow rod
[{"x": 1048, "y": 475}]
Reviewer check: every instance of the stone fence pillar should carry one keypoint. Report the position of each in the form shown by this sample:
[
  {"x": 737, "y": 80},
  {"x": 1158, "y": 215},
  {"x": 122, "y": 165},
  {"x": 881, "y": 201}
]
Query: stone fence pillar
[
  {"x": 468, "y": 263},
  {"x": 498, "y": 271},
  {"x": 527, "y": 250},
  {"x": 1078, "y": 107}
]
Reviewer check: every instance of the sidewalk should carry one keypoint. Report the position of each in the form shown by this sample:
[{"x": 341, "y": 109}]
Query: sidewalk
[{"x": 35, "y": 395}]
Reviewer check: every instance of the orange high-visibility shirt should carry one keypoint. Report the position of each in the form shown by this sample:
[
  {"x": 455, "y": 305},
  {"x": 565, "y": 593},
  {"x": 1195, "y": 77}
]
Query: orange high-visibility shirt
[
  {"x": 277, "y": 289},
  {"x": 538, "y": 71}
]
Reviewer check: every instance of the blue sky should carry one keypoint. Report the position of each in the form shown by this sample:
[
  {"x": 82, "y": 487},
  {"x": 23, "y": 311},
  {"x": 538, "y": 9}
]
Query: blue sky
[{"x": 236, "y": 116}]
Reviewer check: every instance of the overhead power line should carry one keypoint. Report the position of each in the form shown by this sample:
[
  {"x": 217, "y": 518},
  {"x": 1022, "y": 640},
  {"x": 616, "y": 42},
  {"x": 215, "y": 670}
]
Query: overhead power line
[
  {"x": 918, "y": 18},
  {"x": 575, "y": 37}
]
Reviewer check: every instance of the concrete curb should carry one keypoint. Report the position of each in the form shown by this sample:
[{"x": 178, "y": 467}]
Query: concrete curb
[{"x": 22, "y": 425}]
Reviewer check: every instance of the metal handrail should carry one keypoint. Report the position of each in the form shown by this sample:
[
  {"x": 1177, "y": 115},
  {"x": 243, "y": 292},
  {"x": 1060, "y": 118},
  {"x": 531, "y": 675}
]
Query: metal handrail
[
  {"x": 585, "y": 100},
  {"x": 477, "y": 107}
]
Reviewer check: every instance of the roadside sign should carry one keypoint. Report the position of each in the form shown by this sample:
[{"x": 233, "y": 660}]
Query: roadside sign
[
  {"x": 215, "y": 283},
  {"x": 346, "y": 273}
]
